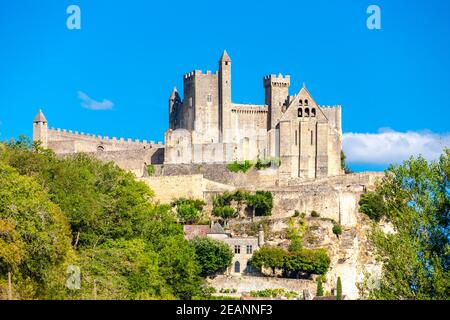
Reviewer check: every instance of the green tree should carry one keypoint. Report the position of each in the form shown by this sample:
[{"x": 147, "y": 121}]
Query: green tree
[
  {"x": 306, "y": 261},
  {"x": 261, "y": 203},
  {"x": 414, "y": 198},
  {"x": 225, "y": 213},
  {"x": 35, "y": 244},
  {"x": 187, "y": 214},
  {"x": 339, "y": 289},
  {"x": 121, "y": 269},
  {"x": 268, "y": 257},
  {"x": 212, "y": 255}
]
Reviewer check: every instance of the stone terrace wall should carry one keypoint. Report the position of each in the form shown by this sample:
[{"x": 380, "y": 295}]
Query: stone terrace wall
[
  {"x": 220, "y": 173},
  {"x": 253, "y": 283},
  {"x": 168, "y": 188}
]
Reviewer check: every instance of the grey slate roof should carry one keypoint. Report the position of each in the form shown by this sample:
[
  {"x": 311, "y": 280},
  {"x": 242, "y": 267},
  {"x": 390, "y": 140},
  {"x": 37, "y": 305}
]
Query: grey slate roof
[{"x": 40, "y": 117}]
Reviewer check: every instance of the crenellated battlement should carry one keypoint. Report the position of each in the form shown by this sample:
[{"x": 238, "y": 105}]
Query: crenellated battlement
[
  {"x": 191, "y": 75},
  {"x": 75, "y": 135},
  {"x": 274, "y": 80}
]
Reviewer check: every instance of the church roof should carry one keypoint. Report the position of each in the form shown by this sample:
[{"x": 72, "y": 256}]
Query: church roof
[
  {"x": 40, "y": 117},
  {"x": 225, "y": 56}
]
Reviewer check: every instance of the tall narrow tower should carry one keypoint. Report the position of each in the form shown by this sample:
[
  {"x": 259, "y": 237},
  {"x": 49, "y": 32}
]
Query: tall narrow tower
[
  {"x": 40, "y": 129},
  {"x": 276, "y": 92},
  {"x": 225, "y": 134},
  {"x": 174, "y": 104}
]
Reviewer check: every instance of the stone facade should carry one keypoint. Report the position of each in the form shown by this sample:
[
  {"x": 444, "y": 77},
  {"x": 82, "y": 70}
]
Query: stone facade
[{"x": 207, "y": 127}]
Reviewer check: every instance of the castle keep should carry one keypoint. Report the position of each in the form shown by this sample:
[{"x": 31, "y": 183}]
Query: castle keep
[{"x": 207, "y": 127}]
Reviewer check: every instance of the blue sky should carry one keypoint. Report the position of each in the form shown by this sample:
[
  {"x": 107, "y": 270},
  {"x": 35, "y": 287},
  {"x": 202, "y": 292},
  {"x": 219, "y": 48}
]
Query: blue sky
[{"x": 128, "y": 55}]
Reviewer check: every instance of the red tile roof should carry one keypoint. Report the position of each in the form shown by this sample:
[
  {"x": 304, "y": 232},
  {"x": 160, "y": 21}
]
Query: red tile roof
[{"x": 192, "y": 231}]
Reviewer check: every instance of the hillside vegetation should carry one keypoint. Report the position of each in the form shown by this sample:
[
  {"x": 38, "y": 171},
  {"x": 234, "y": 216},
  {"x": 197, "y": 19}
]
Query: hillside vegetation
[{"x": 77, "y": 211}]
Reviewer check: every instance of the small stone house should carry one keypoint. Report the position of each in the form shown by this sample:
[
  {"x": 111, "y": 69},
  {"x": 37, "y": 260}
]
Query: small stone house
[{"x": 242, "y": 247}]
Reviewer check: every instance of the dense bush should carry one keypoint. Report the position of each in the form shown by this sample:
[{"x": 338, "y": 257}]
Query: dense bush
[
  {"x": 372, "y": 204},
  {"x": 315, "y": 214},
  {"x": 225, "y": 213},
  {"x": 267, "y": 163},
  {"x": 337, "y": 229},
  {"x": 150, "y": 169},
  {"x": 240, "y": 166}
]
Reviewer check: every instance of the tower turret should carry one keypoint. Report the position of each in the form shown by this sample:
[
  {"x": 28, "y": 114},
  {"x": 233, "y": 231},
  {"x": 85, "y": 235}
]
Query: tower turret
[
  {"x": 40, "y": 129},
  {"x": 225, "y": 97},
  {"x": 174, "y": 103},
  {"x": 276, "y": 93}
]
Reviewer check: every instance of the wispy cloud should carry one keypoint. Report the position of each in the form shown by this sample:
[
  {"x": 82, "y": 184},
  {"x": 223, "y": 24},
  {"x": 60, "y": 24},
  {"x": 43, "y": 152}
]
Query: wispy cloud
[
  {"x": 89, "y": 103},
  {"x": 389, "y": 146}
]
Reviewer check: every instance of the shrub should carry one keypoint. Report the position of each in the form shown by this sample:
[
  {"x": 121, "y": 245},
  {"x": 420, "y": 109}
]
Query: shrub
[
  {"x": 337, "y": 229},
  {"x": 267, "y": 163},
  {"x": 240, "y": 166},
  {"x": 225, "y": 213},
  {"x": 150, "y": 169},
  {"x": 315, "y": 214},
  {"x": 372, "y": 204},
  {"x": 196, "y": 203}
]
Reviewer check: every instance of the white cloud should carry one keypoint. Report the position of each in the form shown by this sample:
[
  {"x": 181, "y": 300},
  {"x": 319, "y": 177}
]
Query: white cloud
[
  {"x": 89, "y": 103},
  {"x": 389, "y": 146}
]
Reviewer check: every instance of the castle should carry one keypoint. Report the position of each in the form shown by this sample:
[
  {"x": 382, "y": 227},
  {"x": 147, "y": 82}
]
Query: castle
[
  {"x": 207, "y": 130},
  {"x": 207, "y": 127}
]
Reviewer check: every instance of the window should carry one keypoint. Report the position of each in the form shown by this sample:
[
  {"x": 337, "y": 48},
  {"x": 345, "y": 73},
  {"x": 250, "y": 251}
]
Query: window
[
  {"x": 100, "y": 148},
  {"x": 306, "y": 102},
  {"x": 237, "y": 267},
  {"x": 300, "y": 112},
  {"x": 313, "y": 112},
  {"x": 307, "y": 112},
  {"x": 237, "y": 249},
  {"x": 249, "y": 249},
  {"x": 311, "y": 137},
  {"x": 300, "y": 102},
  {"x": 209, "y": 98},
  {"x": 190, "y": 102},
  {"x": 249, "y": 268}
]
